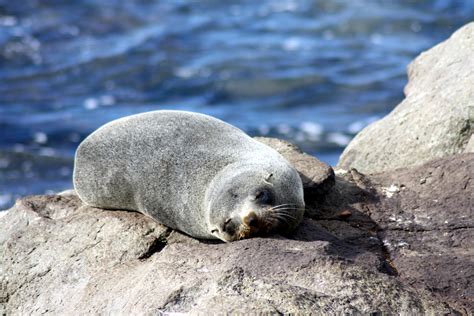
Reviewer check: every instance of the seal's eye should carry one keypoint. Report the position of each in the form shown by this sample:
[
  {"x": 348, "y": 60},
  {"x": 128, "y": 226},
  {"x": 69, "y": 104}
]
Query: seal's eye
[
  {"x": 262, "y": 196},
  {"x": 229, "y": 226},
  {"x": 227, "y": 221},
  {"x": 214, "y": 231}
]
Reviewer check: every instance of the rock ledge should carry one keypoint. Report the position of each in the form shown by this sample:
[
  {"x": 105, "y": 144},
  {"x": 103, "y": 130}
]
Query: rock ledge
[{"x": 398, "y": 252}]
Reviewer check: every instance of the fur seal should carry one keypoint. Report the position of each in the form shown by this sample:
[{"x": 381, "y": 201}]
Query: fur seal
[{"x": 190, "y": 172}]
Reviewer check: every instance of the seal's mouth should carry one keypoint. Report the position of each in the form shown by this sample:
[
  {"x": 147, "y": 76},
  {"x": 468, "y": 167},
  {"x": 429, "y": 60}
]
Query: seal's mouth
[{"x": 280, "y": 218}]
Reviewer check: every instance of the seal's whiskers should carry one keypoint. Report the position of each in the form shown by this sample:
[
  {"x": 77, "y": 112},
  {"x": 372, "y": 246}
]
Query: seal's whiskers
[{"x": 284, "y": 212}]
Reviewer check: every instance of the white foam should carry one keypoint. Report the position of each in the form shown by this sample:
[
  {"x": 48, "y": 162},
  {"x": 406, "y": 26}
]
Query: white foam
[
  {"x": 64, "y": 171},
  {"x": 328, "y": 35},
  {"x": 264, "y": 129},
  {"x": 4, "y": 199},
  {"x": 107, "y": 100},
  {"x": 292, "y": 44},
  {"x": 338, "y": 139},
  {"x": 67, "y": 192},
  {"x": 26, "y": 166},
  {"x": 376, "y": 39},
  {"x": 74, "y": 137},
  {"x": 356, "y": 127},
  {"x": 311, "y": 128},
  {"x": 282, "y": 6},
  {"x": 284, "y": 129},
  {"x": 91, "y": 103},
  {"x": 300, "y": 137},
  {"x": 8, "y": 21},
  {"x": 70, "y": 30},
  {"x": 19, "y": 148},
  {"x": 40, "y": 138},
  {"x": 415, "y": 27},
  {"x": 47, "y": 151},
  {"x": 4, "y": 162},
  {"x": 185, "y": 72}
]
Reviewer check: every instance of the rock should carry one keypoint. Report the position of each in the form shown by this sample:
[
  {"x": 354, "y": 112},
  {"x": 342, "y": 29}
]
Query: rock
[
  {"x": 317, "y": 176},
  {"x": 423, "y": 217},
  {"x": 430, "y": 228},
  {"x": 62, "y": 257},
  {"x": 470, "y": 146},
  {"x": 435, "y": 119},
  {"x": 53, "y": 246}
]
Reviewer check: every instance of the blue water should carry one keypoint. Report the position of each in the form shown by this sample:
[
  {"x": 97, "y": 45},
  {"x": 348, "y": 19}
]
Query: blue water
[{"x": 314, "y": 72}]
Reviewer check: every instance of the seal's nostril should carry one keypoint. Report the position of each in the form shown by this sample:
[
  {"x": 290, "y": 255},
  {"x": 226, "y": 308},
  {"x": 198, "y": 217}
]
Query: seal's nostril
[
  {"x": 251, "y": 219},
  {"x": 252, "y": 222}
]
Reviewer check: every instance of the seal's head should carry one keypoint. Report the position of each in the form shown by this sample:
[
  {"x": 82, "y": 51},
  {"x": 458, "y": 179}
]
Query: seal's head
[{"x": 254, "y": 200}]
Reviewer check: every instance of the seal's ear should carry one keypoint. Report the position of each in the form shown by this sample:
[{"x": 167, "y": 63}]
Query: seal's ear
[{"x": 268, "y": 177}]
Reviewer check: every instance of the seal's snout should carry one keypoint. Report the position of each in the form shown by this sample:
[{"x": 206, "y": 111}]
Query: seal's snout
[
  {"x": 256, "y": 225},
  {"x": 251, "y": 220},
  {"x": 251, "y": 225},
  {"x": 259, "y": 222}
]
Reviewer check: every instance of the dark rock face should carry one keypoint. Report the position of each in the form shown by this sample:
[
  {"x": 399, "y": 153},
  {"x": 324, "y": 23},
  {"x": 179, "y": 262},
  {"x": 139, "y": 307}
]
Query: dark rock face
[
  {"x": 376, "y": 244},
  {"x": 430, "y": 232}
]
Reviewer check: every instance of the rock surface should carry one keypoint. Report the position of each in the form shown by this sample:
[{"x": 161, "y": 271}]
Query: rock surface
[
  {"x": 436, "y": 119},
  {"x": 399, "y": 251},
  {"x": 470, "y": 145},
  {"x": 430, "y": 234},
  {"x": 317, "y": 176}
]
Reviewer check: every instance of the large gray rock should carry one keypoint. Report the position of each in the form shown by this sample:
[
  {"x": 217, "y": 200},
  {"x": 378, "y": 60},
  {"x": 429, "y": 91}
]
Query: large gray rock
[
  {"x": 436, "y": 118},
  {"x": 62, "y": 257}
]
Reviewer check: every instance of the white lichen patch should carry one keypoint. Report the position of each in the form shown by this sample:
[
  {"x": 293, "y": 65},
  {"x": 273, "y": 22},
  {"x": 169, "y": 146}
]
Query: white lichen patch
[
  {"x": 340, "y": 172},
  {"x": 391, "y": 190},
  {"x": 402, "y": 244},
  {"x": 421, "y": 220},
  {"x": 393, "y": 218},
  {"x": 294, "y": 249},
  {"x": 387, "y": 244}
]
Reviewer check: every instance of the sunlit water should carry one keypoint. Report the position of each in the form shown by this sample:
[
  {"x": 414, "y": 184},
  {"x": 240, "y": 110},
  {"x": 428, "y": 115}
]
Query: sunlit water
[{"x": 314, "y": 72}]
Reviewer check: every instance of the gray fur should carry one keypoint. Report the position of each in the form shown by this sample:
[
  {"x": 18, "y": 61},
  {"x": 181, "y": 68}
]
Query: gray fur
[{"x": 186, "y": 170}]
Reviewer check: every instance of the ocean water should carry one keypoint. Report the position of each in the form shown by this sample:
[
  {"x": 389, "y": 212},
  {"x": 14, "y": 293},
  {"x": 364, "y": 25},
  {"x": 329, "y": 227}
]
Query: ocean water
[{"x": 313, "y": 72}]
